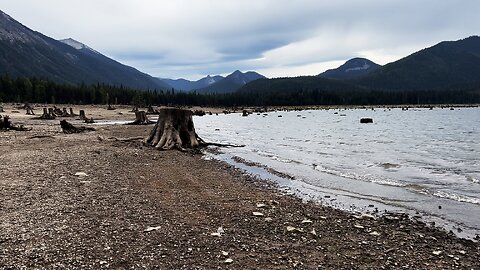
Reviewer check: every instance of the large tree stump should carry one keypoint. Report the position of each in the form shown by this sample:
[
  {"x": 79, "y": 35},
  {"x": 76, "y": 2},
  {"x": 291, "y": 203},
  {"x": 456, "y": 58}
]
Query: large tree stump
[
  {"x": 141, "y": 119},
  {"x": 174, "y": 129}
]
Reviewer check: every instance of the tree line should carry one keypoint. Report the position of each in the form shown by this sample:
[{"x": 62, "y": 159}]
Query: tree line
[{"x": 36, "y": 90}]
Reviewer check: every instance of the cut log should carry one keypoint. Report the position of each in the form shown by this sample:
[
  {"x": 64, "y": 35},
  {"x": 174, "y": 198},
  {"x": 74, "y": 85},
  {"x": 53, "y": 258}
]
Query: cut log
[
  {"x": 174, "y": 130},
  {"x": 141, "y": 119},
  {"x": 69, "y": 128}
]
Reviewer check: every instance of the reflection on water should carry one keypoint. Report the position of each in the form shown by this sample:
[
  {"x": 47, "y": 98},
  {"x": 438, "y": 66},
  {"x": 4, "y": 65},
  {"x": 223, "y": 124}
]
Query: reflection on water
[{"x": 423, "y": 160}]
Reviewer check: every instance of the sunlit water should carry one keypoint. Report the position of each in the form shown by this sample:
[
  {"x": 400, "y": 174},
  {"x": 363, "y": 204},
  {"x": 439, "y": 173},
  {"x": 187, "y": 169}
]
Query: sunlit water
[{"x": 420, "y": 161}]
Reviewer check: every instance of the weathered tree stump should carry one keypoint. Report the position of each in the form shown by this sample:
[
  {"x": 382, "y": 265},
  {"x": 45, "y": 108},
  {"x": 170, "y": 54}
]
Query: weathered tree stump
[
  {"x": 69, "y": 128},
  {"x": 141, "y": 119},
  {"x": 29, "y": 110},
  {"x": 366, "y": 120},
  {"x": 150, "y": 110},
  {"x": 1, "y": 109},
  {"x": 47, "y": 114},
  {"x": 6, "y": 124},
  {"x": 174, "y": 130},
  {"x": 82, "y": 115},
  {"x": 110, "y": 108},
  {"x": 72, "y": 113}
]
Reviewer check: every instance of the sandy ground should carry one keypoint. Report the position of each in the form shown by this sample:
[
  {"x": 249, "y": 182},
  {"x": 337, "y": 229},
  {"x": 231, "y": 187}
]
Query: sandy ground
[{"x": 132, "y": 207}]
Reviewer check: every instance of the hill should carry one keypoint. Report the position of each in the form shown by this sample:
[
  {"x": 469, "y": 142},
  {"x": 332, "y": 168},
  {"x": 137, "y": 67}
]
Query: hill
[
  {"x": 353, "y": 68},
  {"x": 444, "y": 65},
  {"x": 26, "y": 53}
]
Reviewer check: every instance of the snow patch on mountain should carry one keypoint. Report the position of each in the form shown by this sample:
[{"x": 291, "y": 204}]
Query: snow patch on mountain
[
  {"x": 77, "y": 45},
  {"x": 364, "y": 67}
]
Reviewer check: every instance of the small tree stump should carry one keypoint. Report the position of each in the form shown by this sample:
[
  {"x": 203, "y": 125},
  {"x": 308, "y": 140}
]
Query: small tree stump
[
  {"x": 82, "y": 115},
  {"x": 174, "y": 130},
  {"x": 29, "y": 110},
  {"x": 141, "y": 119},
  {"x": 72, "y": 113},
  {"x": 47, "y": 114}
]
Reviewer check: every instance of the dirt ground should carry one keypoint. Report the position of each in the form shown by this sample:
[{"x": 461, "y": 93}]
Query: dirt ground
[{"x": 88, "y": 201}]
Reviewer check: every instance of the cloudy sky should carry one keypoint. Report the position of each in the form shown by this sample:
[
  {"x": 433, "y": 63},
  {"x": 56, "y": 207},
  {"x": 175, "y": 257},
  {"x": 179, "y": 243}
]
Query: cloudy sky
[{"x": 278, "y": 38}]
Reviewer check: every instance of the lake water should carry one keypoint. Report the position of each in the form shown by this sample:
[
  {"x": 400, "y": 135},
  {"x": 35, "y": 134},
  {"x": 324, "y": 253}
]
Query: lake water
[{"x": 418, "y": 161}]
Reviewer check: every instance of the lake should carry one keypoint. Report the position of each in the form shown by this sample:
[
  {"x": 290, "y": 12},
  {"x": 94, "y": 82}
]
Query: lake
[{"x": 420, "y": 161}]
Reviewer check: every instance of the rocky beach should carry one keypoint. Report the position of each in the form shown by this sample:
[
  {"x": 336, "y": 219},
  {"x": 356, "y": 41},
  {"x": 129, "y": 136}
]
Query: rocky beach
[{"x": 95, "y": 201}]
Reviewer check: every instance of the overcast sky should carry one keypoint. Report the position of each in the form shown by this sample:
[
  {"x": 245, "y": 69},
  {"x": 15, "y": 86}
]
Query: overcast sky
[{"x": 278, "y": 38}]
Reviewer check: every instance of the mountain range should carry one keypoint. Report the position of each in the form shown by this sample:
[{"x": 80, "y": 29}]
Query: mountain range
[
  {"x": 26, "y": 53},
  {"x": 216, "y": 84},
  {"x": 447, "y": 65}
]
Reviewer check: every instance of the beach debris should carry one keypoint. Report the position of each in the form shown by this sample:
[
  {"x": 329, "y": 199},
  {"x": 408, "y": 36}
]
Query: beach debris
[
  {"x": 228, "y": 261},
  {"x": 149, "y": 229},
  {"x": 375, "y": 233},
  {"x": 364, "y": 216},
  {"x": 307, "y": 221},
  {"x": 224, "y": 253},
  {"x": 358, "y": 226},
  {"x": 81, "y": 174},
  {"x": 267, "y": 219},
  {"x": 437, "y": 252},
  {"x": 261, "y": 205},
  {"x": 219, "y": 232},
  {"x": 257, "y": 214},
  {"x": 313, "y": 232},
  {"x": 293, "y": 229}
]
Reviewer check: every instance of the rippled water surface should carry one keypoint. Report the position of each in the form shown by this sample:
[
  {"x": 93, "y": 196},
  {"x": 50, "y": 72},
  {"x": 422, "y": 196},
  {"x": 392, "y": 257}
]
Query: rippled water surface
[{"x": 421, "y": 160}]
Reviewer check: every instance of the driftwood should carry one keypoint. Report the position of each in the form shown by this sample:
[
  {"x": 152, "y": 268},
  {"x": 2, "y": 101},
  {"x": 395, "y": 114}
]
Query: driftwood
[
  {"x": 141, "y": 119},
  {"x": 6, "y": 124},
  {"x": 175, "y": 130},
  {"x": 69, "y": 128}
]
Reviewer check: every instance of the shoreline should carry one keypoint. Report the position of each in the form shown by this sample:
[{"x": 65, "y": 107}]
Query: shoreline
[{"x": 139, "y": 207}]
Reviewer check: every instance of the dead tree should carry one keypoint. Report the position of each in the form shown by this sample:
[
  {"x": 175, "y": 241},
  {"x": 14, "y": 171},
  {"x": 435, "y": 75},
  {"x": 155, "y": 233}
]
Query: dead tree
[
  {"x": 174, "y": 129},
  {"x": 141, "y": 119},
  {"x": 69, "y": 128}
]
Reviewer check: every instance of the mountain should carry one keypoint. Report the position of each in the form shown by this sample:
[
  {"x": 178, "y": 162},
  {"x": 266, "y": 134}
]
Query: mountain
[
  {"x": 186, "y": 85},
  {"x": 353, "y": 68},
  {"x": 447, "y": 64},
  {"x": 232, "y": 82},
  {"x": 26, "y": 53}
]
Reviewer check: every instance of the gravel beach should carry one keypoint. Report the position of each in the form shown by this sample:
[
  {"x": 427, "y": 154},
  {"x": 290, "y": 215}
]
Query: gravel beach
[{"x": 90, "y": 201}]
